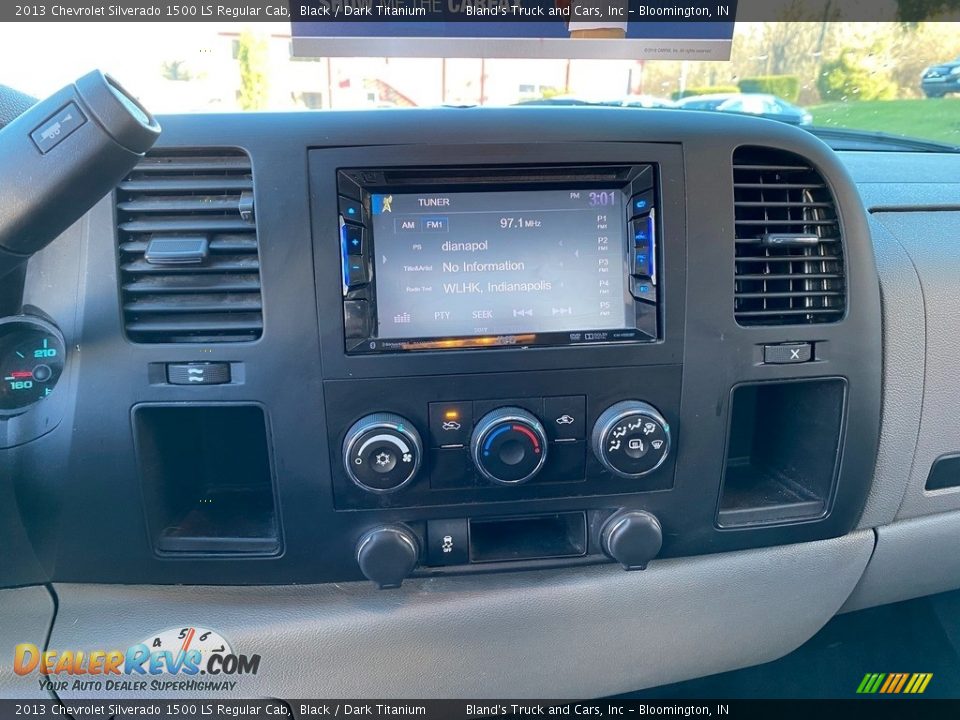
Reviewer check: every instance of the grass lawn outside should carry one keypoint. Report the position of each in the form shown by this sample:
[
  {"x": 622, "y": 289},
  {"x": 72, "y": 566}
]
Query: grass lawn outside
[{"x": 927, "y": 119}]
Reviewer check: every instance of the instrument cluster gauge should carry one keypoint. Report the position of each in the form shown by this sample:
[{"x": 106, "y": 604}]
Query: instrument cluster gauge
[
  {"x": 32, "y": 354},
  {"x": 189, "y": 638}
]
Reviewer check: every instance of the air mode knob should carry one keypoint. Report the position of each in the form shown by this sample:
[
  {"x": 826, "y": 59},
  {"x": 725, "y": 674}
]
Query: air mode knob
[
  {"x": 388, "y": 554},
  {"x": 509, "y": 446},
  {"x": 632, "y": 538},
  {"x": 631, "y": 439},
  {"x": 382, "y": 452}
]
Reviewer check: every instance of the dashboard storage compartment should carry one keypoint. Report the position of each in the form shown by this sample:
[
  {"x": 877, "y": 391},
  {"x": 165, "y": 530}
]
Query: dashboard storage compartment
[
  {"x": 207, "y": 479},
  {"x": 528, "y": 538},
  {"x": 782, "y": 452}
]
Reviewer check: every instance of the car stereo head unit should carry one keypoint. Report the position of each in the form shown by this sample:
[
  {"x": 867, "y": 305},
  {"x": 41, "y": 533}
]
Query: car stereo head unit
[{"x": 444, "y": 258}]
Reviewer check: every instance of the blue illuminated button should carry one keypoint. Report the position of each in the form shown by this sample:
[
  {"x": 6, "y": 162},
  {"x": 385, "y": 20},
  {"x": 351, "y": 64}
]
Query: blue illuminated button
[
  {"x": 353, "y": 239},
  {"x": 642, "y": 231},
  {"x": 641, "y": 203},
  {"x": 351, "y": 210},
  {"x": 642, "y": 288},
  {"x": 641, "y": 262},
  {"x": 356, "y": 271}
]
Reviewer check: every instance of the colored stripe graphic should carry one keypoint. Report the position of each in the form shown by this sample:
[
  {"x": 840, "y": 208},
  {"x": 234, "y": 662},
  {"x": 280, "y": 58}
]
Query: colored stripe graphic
[
  {"x": 903, "y": 681},
  {"x": 894, "y": 683},
  {"x": 870, "y": 683}
]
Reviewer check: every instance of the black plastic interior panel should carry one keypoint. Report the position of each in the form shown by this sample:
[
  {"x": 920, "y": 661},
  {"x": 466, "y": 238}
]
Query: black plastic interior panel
[
  {"x": 207, "y": 479},
  {"x": 485, "y": 159},
  {"x": 782, "y": 452},
  {"x": 523, "y": 538},
  {"x": 790, "y": 262},
  {"x": 365, "y": 259},
  {"x": 125, "y": 464},
  {"x": 448, "y": 478},
  {"x": 187, "y": 249}
]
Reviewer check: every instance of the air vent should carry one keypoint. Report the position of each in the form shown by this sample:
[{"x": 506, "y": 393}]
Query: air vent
[
  {"x": 789, "y": 249},
  {"x": 189, "y": 266}
]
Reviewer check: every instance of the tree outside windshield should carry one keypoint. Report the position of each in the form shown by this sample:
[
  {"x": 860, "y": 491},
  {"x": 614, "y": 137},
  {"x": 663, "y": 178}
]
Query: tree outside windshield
[{"x": 897, "y": 78}]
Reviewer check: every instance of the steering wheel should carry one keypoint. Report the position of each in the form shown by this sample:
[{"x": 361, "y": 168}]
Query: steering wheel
[{"x": 13, "y": 103}]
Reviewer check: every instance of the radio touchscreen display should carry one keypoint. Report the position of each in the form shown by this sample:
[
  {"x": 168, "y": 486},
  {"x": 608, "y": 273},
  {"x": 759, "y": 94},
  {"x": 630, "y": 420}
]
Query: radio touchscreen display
[{"x": 468, "y": 264}]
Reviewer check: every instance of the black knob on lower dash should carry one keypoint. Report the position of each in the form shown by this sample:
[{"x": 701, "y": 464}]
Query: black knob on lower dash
[
  {"x": 632, "y": 538},
  {"x": 388, "y": 554}
]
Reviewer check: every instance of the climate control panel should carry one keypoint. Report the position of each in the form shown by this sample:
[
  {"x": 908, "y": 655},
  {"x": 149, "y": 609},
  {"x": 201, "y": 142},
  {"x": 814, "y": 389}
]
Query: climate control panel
[{"x": 419, "y": 449}]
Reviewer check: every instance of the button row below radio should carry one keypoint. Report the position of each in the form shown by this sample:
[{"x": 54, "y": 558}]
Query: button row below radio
[
  {"x": 451, "y": 423},
  {"x": 565, "y": 418}
]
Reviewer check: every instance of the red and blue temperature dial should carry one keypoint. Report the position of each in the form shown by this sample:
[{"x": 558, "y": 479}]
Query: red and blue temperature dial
[{"x": 509, "y": 446}]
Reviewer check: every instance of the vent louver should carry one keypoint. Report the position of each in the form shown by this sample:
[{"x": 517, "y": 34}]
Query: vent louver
[
  {"x": 789, "y": 249},
  {"x": 188, "y": 254}
]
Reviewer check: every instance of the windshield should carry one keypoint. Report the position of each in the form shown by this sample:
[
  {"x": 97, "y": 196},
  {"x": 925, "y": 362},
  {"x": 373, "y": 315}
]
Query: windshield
[{"x": 901, "y": 79}]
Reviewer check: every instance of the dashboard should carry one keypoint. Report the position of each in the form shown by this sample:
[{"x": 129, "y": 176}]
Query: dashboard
[{"x": 504, "y": 360}]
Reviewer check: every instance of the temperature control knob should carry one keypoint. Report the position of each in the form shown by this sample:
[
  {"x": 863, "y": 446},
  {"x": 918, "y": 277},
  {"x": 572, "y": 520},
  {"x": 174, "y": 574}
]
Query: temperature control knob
[
  {"x": 382, "y": 452},
  {"x": 509, "y": 446},
  {"x": 631, "y": 439}
]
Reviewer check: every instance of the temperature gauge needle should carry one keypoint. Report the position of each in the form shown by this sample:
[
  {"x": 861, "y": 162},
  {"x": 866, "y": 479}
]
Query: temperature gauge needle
[{"x": 31, "y": 361}]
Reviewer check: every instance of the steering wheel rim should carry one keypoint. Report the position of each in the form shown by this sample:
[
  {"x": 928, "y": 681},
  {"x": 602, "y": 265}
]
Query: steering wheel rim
[{"x": 13, "y": 103}]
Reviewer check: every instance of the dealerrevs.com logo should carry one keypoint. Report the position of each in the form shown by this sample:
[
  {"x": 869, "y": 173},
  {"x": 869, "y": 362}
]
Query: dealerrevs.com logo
[{"x": 171, "y": 661}]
